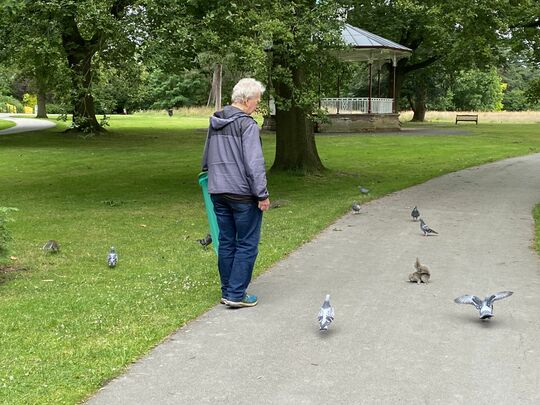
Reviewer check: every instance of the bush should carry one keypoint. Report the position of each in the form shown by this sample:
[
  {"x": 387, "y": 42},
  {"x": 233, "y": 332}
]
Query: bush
[
  {"x": 7, "y": 101},
  {"x": 5, "y": 235},
  {"x": 56, "y": 108},
  {"x": 29, "y": 100}
]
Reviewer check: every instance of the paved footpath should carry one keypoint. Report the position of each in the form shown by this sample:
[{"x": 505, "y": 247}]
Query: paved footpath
[
  {"x": 25, "y": 124},
  {"x": 392, "y": 342}
]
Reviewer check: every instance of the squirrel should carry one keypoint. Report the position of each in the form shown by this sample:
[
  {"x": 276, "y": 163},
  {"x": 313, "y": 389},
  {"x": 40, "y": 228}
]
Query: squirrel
[
  {"x": 421, "y": 275},
  {"x": 51, "y": 246}
]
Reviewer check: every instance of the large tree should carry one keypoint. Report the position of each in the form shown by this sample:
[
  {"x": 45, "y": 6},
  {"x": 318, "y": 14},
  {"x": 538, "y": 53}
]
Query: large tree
[
  {"x": 290, "y": 46},
  {"x": 56, "y": 34},
  {"x": 33, "y": 50},
  {"x": 304, "y": 38}
]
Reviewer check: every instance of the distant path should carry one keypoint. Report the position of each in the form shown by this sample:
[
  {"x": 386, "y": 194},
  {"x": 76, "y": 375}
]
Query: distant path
[
  {"x": 392, "y": 342},
  {"x": 25, "y": 124},
  {"x": 406, "y": 131}
]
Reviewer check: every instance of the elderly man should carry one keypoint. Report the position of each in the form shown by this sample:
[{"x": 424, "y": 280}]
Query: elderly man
[{"x": 237, "y": 185}]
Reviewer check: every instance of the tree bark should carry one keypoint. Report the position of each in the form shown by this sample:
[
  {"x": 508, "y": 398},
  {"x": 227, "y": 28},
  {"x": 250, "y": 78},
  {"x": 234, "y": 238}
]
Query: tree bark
[
  {"x": 84, "y": 111},
  {"x": 79, "y": 53},
  {"x": 418, "y": 106},
  {"x": 295, "y": 141},
  {"x": 42, "y": 104},
  {"x": 419, "y": 113}
]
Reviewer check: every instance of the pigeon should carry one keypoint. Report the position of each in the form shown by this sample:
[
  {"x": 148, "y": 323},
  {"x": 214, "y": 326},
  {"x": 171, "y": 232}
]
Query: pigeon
[
  {"x": 415, "y": 213},
  {"x": 363, "y": 190},
  {"x": 51, "y": 246},
  {"x": 326, "y": 314},
  {"x": 207, "y": 240},
  {"x": 421, "y": 275},
  {"x": 426, "y": 229},
  {"x": 484, "y": 307},
  {"x": 355, "y": 207},
  {"x": 112, "y": 258}
]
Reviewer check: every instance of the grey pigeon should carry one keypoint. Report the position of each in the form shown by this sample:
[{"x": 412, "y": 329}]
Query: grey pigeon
[
  {"x": 51, "y": 246},
  {"x": 112, "y": 258},
  {"x": 484, "y": 307},
  {"x": 355, "y": 207},
  {"x": 426, "y": 229},
  {"x": 415, "y": 213},
  {"x": 207, "y": 240},
  {"x": 363, "y": 190},
  {"x": 326, "y": 314}
]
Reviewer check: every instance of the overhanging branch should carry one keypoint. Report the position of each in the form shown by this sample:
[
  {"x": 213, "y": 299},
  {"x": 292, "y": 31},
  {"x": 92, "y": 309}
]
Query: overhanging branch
[
  {"x": 421, "y": 65},
  {"x": 534, "y": 23}
]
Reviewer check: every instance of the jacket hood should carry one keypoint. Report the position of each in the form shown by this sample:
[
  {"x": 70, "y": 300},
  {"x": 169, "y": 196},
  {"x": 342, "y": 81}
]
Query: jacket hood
[{"x": 223, "y": 118}]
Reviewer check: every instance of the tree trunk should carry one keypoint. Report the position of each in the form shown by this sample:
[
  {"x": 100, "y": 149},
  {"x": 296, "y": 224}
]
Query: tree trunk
[
  {"x": 79, "y": 53},
  {"x": 295, "y": 142},
  {"x": 42, "y": 104},
  {"x": 419, "y": 113},
  {"x": 84, "y": 111},
  {"x": 215, "y": 91},
  {"x": 419, "y": 105}
]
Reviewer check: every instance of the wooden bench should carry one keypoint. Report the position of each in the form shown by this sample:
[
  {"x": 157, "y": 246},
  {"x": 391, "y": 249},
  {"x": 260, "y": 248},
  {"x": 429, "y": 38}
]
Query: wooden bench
[{"x": 467, "y": 117}]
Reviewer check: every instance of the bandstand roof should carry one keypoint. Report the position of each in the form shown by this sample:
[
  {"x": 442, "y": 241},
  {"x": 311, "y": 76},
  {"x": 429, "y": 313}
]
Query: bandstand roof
[{"x": 367, "y": 46}]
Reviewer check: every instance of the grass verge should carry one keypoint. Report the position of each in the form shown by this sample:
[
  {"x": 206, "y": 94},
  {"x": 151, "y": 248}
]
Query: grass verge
[
  {"x": 4, "y": 124},
  {"x": 69, "y": 323}
]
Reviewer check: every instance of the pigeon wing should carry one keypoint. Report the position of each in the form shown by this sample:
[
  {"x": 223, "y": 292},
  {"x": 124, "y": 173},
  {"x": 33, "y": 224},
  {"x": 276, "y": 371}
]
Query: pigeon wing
[
  {"x": 331, "y": 313},
  {"x": 469, "y": 299},
  {"x": 321, "y": 314},
  {"x": 499, "y": 296}
]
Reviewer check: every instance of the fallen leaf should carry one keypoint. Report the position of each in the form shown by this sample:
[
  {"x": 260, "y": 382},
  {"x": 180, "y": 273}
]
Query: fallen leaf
[{"x": 13, "y": 257}]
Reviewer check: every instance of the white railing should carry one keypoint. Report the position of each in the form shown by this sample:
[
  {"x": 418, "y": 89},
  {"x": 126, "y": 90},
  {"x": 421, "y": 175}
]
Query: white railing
[{"x": 358, "y": 105}]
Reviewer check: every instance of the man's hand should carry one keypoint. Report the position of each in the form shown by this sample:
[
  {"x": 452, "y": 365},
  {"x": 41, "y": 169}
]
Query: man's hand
[{"x": 264, "y": 205}]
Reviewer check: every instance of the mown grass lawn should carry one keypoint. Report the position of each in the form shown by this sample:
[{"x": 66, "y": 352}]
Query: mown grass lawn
[
  {"x": 4, "y": 124},
  {"x": 69, "y": 323}
]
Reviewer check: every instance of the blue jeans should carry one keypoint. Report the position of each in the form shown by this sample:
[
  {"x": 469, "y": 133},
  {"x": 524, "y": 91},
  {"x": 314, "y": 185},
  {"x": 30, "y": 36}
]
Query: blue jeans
[{"x": 239, "y": 233}]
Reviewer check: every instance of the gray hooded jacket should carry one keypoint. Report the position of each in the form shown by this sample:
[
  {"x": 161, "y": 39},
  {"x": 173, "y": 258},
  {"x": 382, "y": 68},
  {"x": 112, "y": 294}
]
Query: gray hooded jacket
[{"x": 233, "y": 155}]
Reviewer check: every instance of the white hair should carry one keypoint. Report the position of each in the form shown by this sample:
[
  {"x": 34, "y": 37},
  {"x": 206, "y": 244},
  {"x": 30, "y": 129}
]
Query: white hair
[{"x": 246, "y": 89}]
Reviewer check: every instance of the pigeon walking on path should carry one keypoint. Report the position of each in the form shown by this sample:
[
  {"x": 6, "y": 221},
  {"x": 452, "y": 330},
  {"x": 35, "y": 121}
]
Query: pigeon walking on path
[
  {"x": 415, "y": 213},
  {"x": 355, "y": 208},
  {"x": 326, "y": 314},
  {"x": 484, "y": 307},
  {"x": 112, "y": 258},
  {"x": 426, "y": 229},
  {"x": 207, "y": 240}
]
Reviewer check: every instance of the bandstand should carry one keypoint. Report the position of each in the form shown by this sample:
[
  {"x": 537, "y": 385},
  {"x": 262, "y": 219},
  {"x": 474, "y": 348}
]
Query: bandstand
[{"x": 371, "y": 113}]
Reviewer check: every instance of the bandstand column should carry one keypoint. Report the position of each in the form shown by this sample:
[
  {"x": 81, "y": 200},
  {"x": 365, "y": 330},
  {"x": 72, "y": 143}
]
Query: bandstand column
[
  {"x": 370, "y": 65},
  {"x": 394, "y": 66}
]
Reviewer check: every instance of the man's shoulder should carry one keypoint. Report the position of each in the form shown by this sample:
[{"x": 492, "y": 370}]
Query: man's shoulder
[{"x": 247, "y": 122}]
